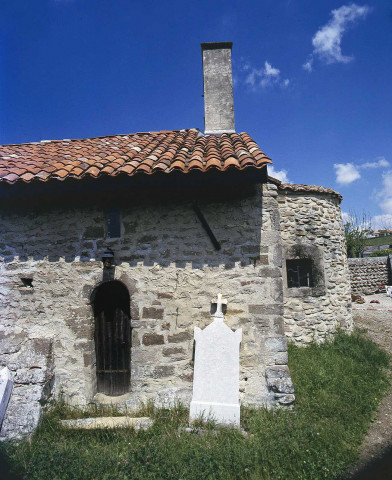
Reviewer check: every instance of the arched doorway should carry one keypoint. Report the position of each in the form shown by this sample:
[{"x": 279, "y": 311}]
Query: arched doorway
[{"x": 110, "y": 302}]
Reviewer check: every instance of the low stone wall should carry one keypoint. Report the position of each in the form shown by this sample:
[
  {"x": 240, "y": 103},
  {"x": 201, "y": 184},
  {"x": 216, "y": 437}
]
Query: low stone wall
[{"x": 367, "y": 274}]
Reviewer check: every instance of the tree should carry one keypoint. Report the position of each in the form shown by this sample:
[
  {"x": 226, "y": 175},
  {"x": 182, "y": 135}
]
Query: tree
[{"x": 356, "y": 230}]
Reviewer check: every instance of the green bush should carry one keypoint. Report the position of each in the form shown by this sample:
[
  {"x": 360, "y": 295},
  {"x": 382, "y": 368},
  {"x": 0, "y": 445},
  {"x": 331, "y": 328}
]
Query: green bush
[
  {"x": 338, "y": 386},
  {"x": 382, "y": 253}
]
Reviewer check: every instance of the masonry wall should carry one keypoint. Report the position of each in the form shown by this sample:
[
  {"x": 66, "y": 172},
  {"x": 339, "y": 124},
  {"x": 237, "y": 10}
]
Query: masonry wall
[
  {"x": 172, "y": 272},
  {"x": 311, "y": 226},
  {"x": 367, "y": 274}
]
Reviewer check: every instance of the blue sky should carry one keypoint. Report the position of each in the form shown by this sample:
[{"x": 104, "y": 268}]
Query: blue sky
[{"x": 313, "y": 80}]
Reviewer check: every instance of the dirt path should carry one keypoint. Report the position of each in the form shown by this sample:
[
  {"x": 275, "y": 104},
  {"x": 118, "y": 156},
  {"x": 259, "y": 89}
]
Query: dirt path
[{"x": 377, "y": 319}]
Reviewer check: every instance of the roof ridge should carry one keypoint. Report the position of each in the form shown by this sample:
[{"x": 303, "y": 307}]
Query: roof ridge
[
  {"x": 301, "y": 187},
  {"x": 58, "y": 140}
]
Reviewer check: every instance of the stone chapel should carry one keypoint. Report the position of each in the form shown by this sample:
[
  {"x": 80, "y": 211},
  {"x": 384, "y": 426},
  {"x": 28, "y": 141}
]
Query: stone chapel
[{"x": 113, "y": 249}]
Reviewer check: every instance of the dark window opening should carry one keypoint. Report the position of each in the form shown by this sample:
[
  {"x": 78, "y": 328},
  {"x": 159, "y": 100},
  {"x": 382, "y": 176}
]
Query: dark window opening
[
  {"x": 112, "y": 338},
  {"x": 27, "y": 282},
  {"x": 299, "y": 273},
  {"x": 114, "y": 223}
]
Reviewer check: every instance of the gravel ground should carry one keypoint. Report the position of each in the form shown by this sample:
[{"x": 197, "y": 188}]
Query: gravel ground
[{"x": 376, "y": 318}]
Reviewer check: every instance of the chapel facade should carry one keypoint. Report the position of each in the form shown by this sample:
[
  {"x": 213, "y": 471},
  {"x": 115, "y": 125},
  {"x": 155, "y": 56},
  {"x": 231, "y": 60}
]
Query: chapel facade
[{"x": 114, "y": 248}]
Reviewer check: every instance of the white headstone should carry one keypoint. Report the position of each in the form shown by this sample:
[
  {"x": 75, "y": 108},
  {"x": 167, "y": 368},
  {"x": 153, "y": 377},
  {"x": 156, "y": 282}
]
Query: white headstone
[
  {"x": 6, "y": 384},
  {"x": 389, "y": 291},
  {"x": 216, "y": 373}
]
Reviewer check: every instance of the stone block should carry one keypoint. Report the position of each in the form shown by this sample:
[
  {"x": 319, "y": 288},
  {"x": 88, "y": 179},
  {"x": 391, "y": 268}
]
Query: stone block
[
  {"x": 172, "y": 351},
  {"x": 276, "y": 344},
  {"x": 281, "y": 358},
  {"x": 153, "y": 339},
  {"x": 163, "y": 371},
  {"x": 152, "y": 312},
  {"x": 11, "y": 340},
  {"x": 285, "y": 399},
  {"x": 266, "y": 309},
  {"x": 279, "y": 380},
  {"x": 179, "y": 337},
  {"x": 94, "y": 232},
  {"x": 272, "y": 272},
  {"x": 135, "y": 342},
  {"x": 252, "y": 250}
]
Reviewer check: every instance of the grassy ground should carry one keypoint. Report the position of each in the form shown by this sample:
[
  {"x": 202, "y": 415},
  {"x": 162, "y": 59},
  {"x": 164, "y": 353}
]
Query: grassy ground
[
  {"x": 338, "y": 387},
  {"x": 387, "y": 240}
]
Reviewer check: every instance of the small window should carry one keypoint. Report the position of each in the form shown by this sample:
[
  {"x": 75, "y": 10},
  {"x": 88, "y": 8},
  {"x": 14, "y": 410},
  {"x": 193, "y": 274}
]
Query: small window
[
  {"x": 114, "y": 223},
  {"x": 299, "y": 273}
]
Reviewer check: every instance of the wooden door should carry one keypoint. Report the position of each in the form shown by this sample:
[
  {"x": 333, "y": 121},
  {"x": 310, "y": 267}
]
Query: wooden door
[{"x": 112, "y": 343}]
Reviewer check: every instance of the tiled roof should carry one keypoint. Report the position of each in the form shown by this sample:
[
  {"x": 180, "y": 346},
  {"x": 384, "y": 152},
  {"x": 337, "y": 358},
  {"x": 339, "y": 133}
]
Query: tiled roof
[
  {"x": 308, "y": 188},
  {"x": 166, "y": 151}
]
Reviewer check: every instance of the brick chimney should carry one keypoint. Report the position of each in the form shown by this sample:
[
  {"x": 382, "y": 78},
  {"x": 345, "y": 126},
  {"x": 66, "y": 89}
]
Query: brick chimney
[{"x": 218, "y": 88}]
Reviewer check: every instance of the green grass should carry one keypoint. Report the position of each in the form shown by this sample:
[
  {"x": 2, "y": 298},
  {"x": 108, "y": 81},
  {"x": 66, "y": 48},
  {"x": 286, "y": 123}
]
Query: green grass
[
  {"x": 387, "y": 240},
  {"x": 382, "y": 253},
  {"x": 338, "y": 387}
]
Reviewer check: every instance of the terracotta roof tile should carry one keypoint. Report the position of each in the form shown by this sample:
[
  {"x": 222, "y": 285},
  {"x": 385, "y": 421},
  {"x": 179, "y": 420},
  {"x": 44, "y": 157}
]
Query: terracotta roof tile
[{"x": 145, "y": 153}]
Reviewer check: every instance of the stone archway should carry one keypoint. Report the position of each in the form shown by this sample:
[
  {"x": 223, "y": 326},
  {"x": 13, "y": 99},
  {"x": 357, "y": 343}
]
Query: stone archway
[{"x": 111, "y": 301}]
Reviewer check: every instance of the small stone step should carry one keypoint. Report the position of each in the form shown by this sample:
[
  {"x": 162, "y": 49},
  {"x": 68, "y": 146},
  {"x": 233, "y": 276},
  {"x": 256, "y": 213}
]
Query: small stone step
[{"x": 138, "y": 423}]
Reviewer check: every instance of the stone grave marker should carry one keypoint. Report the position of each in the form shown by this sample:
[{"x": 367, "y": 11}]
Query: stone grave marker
[
  {"x": 6, "y": 384},
  {"x": 216, "y": 372}
]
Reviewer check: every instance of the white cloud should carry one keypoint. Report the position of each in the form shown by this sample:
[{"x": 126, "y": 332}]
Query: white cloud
[
  {"x": 267, "y": 76},
  {"x": 346, "y": 173},
  {"x": 381, "y": 222},
  {"x": 327, "y": 40},
  {"x": 384, "y": 196},
  {"x": 279, "y": 174},
  {"x": 308, "y": 65},
  {"x": 381, "y": 162},
  {"x": 349, "y": 172},
  {"x": 346, "y": 217}
]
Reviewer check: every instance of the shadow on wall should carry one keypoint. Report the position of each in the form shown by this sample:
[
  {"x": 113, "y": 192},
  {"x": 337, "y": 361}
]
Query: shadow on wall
[{"x": 164, "y": 233}]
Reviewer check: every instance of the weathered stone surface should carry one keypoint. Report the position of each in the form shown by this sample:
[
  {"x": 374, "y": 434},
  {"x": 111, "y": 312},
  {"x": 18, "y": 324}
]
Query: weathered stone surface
[
  {"x": 153, "y": 339},
  {"x": 32, "y": 371},
  {"x": 6, "y": 384},
  {"x": 284, "y": 399},
  {"x": 152, "y": 312},
  {"x": 164, "y": 255},
  {"x": 172, "y": 351},
  {"x": 218, "y": 90},
  {"x": 367, "y": 274},
  {"x": 11, "y": 340},
  {"x": 163, "y": 371},
  {"x": 137, "y": 423},
  {"x": 279, "y": 380},
  {"x": 316, "y": 217},
  {"x": 276, "y": 344},
  {"x": 179, "y": 337}
]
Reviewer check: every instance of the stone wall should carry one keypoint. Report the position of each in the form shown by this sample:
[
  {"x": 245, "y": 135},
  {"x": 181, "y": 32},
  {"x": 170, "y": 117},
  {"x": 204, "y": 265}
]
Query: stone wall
[
  {"x": 171, "y": 270},
  {"x": 367, "y": 274},
  {"x": 30, "y": 361},
  {"x": 311, "y": 225}
]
